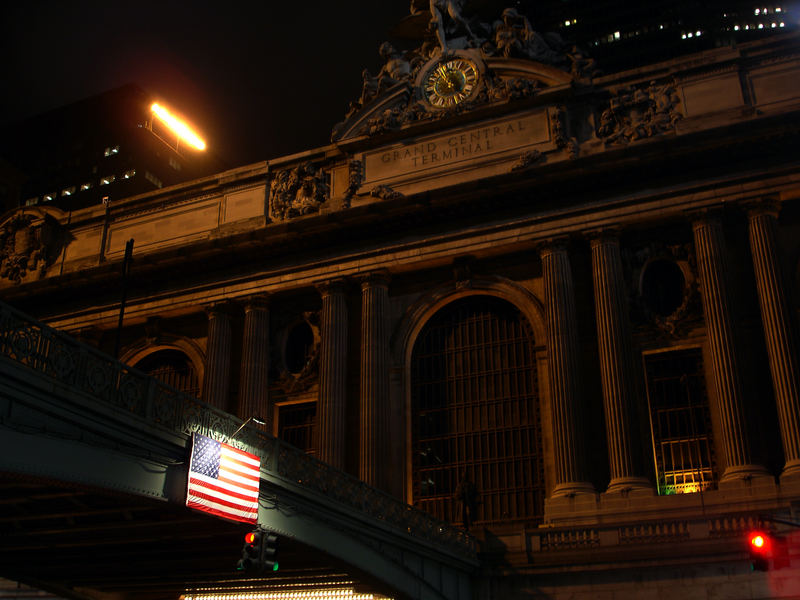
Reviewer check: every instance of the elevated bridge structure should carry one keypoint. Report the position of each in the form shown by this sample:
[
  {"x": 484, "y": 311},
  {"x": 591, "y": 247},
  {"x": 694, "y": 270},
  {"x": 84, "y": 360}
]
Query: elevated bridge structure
[{"x": 94, "y": 458}]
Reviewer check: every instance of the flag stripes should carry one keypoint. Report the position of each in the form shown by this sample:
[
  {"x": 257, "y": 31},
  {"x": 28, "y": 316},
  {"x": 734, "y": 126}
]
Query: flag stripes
[{"x": 223, "y": 480}]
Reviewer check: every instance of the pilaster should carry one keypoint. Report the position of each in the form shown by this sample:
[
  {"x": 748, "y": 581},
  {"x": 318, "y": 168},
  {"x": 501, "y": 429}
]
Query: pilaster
[
  {"x": 779, "y": 328},
  {"x": 216, "y": 383},
  {"x": 331, "y": 410},
  {"x": 253, "y": 388},
  {"x": 563, "y": 371},
  {"x": 617, "y": 367},
  {"x": 374, "y": 409},
  {"x": 712, "y": 264}
]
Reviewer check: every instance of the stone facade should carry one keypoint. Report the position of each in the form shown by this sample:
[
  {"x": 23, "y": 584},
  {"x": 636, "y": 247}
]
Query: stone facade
[{"x": 632, "y": 220}]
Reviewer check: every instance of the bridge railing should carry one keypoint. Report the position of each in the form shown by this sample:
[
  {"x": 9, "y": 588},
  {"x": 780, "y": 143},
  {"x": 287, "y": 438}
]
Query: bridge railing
[{"x": 60, "y": 357}]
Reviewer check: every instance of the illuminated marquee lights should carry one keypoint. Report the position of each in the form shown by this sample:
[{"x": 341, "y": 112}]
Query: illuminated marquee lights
[
  {"x": 178, "y": 127},
  {"x": 317, "y": 594}
]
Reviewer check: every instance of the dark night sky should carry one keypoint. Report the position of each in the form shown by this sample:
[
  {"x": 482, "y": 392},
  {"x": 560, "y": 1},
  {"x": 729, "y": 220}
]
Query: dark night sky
[{"x": 258, "y": 79}]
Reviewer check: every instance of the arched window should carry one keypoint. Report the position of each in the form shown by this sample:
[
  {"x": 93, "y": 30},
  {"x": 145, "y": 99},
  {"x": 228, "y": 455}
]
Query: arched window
[
  {"x": 173, "y": 368},
  {"x": 475, "y": 413}
]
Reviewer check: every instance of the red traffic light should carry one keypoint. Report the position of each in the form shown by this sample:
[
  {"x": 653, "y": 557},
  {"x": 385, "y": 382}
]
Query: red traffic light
[
  {"x": 759, "y": 542},
  {"x": 249, "y": 537},
  {"x": 760, "y": 548}
]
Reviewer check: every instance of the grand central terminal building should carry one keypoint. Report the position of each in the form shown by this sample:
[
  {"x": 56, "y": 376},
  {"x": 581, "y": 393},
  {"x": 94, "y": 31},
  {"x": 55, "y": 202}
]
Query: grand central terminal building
[{"x": 553, "y": 306}]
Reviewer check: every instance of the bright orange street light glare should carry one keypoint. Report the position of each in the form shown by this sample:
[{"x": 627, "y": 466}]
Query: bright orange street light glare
[{"x": 178, "y": 127}]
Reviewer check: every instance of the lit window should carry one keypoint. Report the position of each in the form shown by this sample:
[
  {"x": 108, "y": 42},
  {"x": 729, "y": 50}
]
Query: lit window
[
  {"x": 86, "y": 186},
  {"x": 112, "y": 150},
  {"x": 68, "y": 191},
  {"x": 49, "y": 197},
  {"x": 761, "y": 26},
  {"x": 683, "y": 36},
  {"x": 616, "y": 35},
  {"x": 107, "y": 179},
  {"x": 680, "y": 420},
  {"x": 774, "y": 25},
  {"x": 777, "y": 10},
  {"x": 697, "y": 33},
  {"x": 736, "y": 28},
  {"x": 690, "y": 34},
  {"x": 128, "y": 174},
  {"x": 31, "y": 201},
  {"x": 153, "y": 179},
  {"x": 567, "y": 23},
  {"x": 758, "y": 10},
  {"x": 782, "y": 24},
  {"x": 174, "y": 163}
]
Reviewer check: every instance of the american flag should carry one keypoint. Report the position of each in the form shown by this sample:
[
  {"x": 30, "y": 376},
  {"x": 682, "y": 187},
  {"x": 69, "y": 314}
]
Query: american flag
[{"x": 223, "y": 480}]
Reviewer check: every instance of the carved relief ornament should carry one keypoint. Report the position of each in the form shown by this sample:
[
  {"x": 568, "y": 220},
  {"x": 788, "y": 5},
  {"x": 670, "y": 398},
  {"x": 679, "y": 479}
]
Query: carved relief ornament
[
  {"x": 26, "y": 243},
  {"x": 298, "y": 191},
  {"x": 639, "y": 113}
]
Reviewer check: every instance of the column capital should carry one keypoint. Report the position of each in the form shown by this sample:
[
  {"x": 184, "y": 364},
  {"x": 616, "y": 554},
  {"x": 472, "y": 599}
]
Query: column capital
[
  {"x": 375, "y": 278},
  {"x": 603, "y": 235},
  {"x": 256, "y": 302},
  {"x": 703, "y": 216},
  {"x": 329, "y": 287},
  {"x": 225, "y": 308},
  {"x": 757, "y": 207},
  {"x": 552, "y": 245}
]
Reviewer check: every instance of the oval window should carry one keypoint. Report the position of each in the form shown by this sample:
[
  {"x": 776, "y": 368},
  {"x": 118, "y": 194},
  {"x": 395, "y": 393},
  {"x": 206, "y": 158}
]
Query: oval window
[
  {"x": 298, "y": 347},
  {"x": 663, "y": 286}
]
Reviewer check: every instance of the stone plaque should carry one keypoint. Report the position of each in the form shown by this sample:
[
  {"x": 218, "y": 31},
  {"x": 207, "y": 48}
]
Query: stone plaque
[{"x": 444, "y": 151}]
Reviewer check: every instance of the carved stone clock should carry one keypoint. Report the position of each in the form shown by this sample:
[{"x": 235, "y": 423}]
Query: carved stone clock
[{"x": 450, "y": 82}]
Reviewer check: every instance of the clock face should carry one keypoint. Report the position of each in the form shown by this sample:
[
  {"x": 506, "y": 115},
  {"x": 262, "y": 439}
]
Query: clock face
[{"x": 451, "y": 82}]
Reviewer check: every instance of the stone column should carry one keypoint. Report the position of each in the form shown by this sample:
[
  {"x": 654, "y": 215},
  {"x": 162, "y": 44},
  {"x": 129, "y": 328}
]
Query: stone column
[
  {"x": 779, "y": 328},
  {"x": 617, "y": 367},
  {"x": 331, "y": 408},
  {"x": 253, "y": 386},
  {"x": 563, "y": 371},
  {"x": 216, "y": 381},
  {"x": 712, "y": 265},
  {"x": 374, "y": 402}
]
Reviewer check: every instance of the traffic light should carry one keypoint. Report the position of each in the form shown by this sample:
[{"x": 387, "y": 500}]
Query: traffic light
[
  {"x": 269, "y": 553},
  {"x": 760, "y": 545},
  {"x": 260, "y": 552},
  {"x": 251, "y": 552}
]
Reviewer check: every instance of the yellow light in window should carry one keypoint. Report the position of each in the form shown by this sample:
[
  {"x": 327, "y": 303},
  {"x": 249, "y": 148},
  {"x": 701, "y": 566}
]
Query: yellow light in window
[{"x": 178, "y": 127}]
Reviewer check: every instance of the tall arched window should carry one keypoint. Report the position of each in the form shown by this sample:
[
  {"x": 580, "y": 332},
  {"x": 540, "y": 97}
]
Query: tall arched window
[
  {"x": 174, "y": 368},
  {"x": 475, "y": 413}
]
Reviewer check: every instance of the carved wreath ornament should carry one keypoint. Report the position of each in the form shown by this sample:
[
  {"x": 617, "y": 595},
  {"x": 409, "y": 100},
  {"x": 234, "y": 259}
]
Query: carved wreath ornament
[
  {"x": 636, "y": 114},
  {"x": 22, "y": 248},
  {"x": 298, "y": 191}
]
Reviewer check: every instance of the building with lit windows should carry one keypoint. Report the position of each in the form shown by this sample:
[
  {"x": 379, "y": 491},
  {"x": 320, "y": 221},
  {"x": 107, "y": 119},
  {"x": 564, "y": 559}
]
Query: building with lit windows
[
  {"x": 553, "y": 306},
  {"x": 107, "y": 146}
]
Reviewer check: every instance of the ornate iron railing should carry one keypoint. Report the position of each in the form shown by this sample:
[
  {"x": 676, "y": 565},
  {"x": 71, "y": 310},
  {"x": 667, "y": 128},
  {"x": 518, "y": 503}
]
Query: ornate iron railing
[{"x": 82, "y": 368}]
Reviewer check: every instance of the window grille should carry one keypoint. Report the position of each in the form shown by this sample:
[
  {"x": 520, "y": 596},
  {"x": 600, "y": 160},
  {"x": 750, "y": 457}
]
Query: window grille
[
  {"x": 173, "y": 368},
  {"x": 680, "y": 420},
  {"x": 475, "y": 412},
  {"x": 296, "y": 425}
]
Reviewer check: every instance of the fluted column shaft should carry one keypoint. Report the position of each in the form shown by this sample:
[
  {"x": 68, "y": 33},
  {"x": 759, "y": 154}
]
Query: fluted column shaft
[
  {"x": 712, "y": 265},
  {"x": 617, "y": 368},
  {"x": 216, "y": 381},
  {"x": 253, "y": 387},
  {"x": 331, "y": 409},
  {"x": 563, "y": 371},
  {"x": 779, "y": 328},
  {"x": 373, "y": 445}
]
